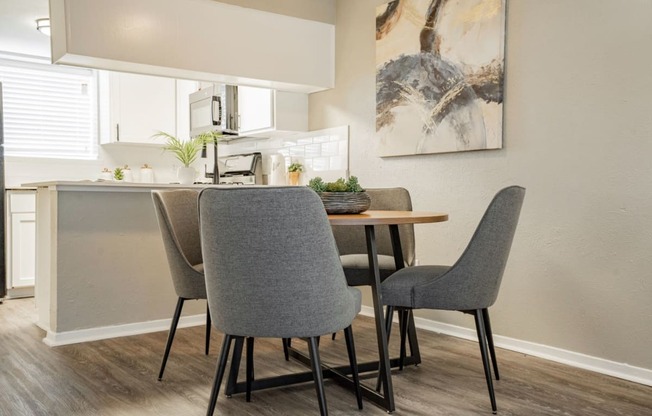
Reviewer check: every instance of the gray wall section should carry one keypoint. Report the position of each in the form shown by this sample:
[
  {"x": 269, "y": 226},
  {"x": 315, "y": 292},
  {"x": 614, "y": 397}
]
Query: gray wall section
[
  {"x": 111, "y": 262},
  {"x": 576, "y": 135}
]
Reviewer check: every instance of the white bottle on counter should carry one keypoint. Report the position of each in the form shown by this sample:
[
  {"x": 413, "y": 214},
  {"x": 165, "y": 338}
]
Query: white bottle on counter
[
  {"x": 146, "y": 174},
  {"x": 127, "y": 175},
  {"x": 106, "y": 175},
  {"x": 276, "y": 167}
]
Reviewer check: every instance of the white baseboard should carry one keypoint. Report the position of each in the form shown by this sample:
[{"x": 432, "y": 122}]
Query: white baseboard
[
  {"x": 55, "y": 339},
  {"x": 574, "y": 359}
]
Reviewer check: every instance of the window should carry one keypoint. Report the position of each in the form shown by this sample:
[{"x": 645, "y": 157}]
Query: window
[{"x": 49, "y": 110}]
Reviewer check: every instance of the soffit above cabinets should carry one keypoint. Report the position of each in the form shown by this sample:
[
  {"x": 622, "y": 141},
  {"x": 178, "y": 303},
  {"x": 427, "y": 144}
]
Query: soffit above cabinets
[{"x": 195, "y": 39}]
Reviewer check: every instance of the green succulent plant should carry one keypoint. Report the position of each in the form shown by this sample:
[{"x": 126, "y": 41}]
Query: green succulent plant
[
  {"x": 341, "y": 185},
  {"x": 118, "y": 174}
]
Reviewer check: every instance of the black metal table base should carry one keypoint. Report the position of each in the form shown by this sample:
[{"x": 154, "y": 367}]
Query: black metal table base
[{"x": 339, "y": 374}]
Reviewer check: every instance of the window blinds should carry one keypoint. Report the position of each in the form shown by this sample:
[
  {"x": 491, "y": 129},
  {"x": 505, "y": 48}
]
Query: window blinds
[{"x": 49, "y": 110}]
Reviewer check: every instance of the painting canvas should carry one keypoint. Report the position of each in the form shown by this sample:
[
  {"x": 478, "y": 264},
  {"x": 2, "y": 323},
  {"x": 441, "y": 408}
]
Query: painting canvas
[{"x": 439, "y": 76}]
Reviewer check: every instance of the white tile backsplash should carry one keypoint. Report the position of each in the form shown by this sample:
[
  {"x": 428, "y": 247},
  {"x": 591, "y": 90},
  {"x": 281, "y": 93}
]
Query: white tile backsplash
[{"x": 323, "y": 153}]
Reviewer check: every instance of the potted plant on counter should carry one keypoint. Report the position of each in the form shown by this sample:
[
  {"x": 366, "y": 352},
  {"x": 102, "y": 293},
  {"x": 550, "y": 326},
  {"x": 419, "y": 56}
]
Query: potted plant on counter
[
  {"x": 118, "y": 174},
  {"x": 186, "y": 152},
  {"x": 342, "y": 196},
  {"x": 294, "y": 173}
]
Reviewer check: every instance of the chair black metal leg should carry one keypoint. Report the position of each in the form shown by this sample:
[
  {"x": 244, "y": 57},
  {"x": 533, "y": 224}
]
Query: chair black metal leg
[
  {"x": 490, "y": 341},
  {"x": 404, "y": 314},
  {"x": 333, "y": 336},
  {"x": 238, "y": 343},
  {"x": 219, "y": 373},
  {"x": 350, "y": 348},
  {"x": 250, "y": 366},
  {"x": 389, "y": 316},
  {"x": 208, "y": 329},
  {"x": 173, "y": 329},
  {"x": 286, "y": 346},
  {"x": 317, "y": 375},
  {"x": 415, "y": 353},
  {"x": 482, "y": 340}
]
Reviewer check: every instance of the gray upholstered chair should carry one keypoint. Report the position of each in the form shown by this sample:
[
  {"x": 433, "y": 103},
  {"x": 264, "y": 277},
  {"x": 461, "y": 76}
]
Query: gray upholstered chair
[
  {"x": 471, "y": 284},
  {"x": 178, "y": 219},
  {"x": 352, "y": 244},
  {"x": 272, "y": 270}
]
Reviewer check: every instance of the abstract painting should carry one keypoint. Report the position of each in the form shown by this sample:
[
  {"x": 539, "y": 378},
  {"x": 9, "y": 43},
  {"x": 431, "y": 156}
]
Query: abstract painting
[{"x": 439, "y": 76}]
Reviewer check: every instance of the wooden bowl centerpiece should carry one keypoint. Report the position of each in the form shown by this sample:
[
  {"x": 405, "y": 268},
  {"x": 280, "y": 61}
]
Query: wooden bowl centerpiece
[{"x": 341, "y": 196}]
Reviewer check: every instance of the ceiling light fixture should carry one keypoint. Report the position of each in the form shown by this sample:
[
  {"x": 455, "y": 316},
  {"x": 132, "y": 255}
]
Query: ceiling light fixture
[{"x": 43, "y": 26}]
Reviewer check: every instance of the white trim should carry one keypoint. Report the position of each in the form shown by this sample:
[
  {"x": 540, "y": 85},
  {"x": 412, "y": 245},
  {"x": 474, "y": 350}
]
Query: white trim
[
  {"x": 574, "y": 359},
  {"x": 55, "y": 339}
]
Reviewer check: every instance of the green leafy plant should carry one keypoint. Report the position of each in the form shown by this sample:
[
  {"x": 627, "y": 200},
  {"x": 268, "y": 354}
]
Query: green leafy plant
[
  {"x": 295, "y": 167},
  {"x": 186, "y": 150},
  {"x": 118, "y": 174},
  {"x": 341, "y": 185}
]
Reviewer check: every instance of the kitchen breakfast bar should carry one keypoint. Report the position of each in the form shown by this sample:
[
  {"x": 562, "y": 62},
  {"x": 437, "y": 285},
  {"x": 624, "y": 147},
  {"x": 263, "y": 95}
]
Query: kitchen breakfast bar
[{"x": 101, "y": 269}]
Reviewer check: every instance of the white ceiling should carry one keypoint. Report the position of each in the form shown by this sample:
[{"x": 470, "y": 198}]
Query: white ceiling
[{"x": 18, "y": 32}]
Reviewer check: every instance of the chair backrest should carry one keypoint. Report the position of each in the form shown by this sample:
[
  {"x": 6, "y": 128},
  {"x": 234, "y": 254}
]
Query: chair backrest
[
  {"x": 271, "y": 265},
  {"x": 351, "y": 239},
  {"x": 178, "y": 218},
  {"x": 475, "y": 278}
]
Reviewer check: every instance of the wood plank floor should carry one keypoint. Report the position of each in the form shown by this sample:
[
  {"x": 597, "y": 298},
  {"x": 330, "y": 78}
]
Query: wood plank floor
[{"x": 118, "y": 377}]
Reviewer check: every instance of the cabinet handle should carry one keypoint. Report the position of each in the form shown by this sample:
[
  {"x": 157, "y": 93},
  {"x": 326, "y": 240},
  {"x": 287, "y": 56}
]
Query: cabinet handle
[{"x": 117, "y": 132}]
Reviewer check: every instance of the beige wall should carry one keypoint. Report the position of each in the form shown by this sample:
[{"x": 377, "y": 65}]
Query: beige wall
[
  {"x": 319, "y": 10},
  {"x": 577, "y": 135}
]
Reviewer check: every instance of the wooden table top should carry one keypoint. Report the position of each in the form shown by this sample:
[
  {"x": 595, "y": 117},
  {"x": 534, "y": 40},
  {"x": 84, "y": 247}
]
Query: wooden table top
[{"x": 387, "y": 218}]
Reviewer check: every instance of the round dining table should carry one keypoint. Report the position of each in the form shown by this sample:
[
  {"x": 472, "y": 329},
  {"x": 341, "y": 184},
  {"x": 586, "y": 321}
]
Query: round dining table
[{"x": 370, "y": 219}]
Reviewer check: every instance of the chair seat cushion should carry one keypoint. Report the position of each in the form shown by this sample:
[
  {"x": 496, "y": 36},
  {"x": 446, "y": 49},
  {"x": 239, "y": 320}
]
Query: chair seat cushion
[
  {"x": 356, "y": 268},
  {"x": 398, "y": 289}
]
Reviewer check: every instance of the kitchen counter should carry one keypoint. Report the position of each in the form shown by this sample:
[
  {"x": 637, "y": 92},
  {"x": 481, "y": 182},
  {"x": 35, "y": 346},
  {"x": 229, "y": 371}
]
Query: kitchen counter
[
  {"x": 108, "y": 186},
  {"x": 101, "y": 268}
]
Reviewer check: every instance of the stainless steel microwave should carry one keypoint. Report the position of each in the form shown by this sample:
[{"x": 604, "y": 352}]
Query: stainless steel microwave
[{"x": 205, "y": 111}]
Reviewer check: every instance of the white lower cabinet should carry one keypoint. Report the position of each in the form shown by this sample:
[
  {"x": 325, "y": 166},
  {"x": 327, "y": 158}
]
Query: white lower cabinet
[{"x": 21, "y": 238}]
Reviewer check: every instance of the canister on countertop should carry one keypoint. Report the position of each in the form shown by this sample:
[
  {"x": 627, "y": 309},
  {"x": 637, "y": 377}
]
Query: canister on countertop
[
  {"x": 127, "y": 175},
  {"x": 146, "y": 174},
  {"x": 276, "y": 168},
  {"x": 106, "y": 174}
]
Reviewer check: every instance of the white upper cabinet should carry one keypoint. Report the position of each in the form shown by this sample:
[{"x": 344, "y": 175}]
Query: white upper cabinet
[
  {"x": 290, "y": 112},
  {"x": 256, "y": 109},
  {"x": 262, "y": 112},
  {"x": 141, "y": 106}
]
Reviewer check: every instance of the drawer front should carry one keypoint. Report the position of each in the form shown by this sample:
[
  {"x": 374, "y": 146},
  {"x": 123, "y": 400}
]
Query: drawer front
[{"x": 22, "y": 201}]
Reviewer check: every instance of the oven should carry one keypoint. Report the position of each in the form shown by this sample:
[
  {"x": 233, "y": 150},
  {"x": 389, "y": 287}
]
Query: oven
[{"x": 242, "y": 169}]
